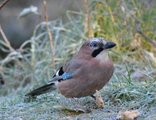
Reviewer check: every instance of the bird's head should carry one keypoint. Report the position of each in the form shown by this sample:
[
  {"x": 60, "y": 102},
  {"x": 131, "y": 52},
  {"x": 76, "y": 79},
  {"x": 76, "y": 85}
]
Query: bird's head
[{"x": 96, "y": 46}]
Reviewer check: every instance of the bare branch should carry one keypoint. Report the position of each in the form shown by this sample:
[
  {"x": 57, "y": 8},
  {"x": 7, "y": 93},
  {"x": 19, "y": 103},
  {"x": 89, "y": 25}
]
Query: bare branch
[
  {"x": 87, "y": 19},
  {"x": 3, "y": 3},
  {"x": 6, "y": 40},
  {"x": 139, "y": 30},
  {"x": 49, "y": 33}
]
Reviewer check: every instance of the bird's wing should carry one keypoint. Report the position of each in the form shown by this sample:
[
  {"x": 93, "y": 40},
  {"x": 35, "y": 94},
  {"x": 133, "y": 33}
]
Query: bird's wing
[
  {"x": 50, "y": 86},
  {"x": 61, "y": 75},
  {"x": 67, "y": 71}
]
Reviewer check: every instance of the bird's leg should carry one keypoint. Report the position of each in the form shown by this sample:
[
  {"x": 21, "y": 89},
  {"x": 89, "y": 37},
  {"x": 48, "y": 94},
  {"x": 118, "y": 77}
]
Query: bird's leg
[{"x": 98, "y": 99}]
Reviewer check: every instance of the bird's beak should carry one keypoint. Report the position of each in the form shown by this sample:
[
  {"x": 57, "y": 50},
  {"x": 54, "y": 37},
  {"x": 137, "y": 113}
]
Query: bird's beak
[{"x": 109, "y": 45}]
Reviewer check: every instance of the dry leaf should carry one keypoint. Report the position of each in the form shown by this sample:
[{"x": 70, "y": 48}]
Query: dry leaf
[
  {"x": 138, "y": 75},
  {"x": 128, "y": 115},
  {"x": 99, "y": 100},
  {"x": 150, "y": 56},
  {"x": 70, "y": 110}
]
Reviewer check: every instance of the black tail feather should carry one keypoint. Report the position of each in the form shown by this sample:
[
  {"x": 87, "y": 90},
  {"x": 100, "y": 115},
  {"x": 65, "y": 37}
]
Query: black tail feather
[{"x": 41, "y": 90}]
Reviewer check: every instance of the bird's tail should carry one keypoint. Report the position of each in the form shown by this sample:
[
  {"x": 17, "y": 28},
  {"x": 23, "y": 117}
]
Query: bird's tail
[{"x": 41, "y": 90}]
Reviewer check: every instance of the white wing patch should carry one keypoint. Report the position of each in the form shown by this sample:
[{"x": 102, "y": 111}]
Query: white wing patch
[{"x": 57, "y": 73}]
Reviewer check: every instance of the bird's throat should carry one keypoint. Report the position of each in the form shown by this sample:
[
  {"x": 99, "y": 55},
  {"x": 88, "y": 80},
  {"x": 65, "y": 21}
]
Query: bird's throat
[{"x": 103, "y": 56}]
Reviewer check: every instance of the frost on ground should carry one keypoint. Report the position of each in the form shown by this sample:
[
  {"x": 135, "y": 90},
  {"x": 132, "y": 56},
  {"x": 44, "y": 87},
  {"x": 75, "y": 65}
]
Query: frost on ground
[{"x": 121, "y": 94}]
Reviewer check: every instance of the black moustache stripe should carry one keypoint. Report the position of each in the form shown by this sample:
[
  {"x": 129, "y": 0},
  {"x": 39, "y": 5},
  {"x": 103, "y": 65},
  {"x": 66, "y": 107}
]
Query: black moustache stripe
[{"x": 96, "y": 52}]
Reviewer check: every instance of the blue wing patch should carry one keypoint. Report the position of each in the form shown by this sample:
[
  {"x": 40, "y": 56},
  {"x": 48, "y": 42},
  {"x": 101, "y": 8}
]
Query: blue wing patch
[{"x": 67, "y": 76}]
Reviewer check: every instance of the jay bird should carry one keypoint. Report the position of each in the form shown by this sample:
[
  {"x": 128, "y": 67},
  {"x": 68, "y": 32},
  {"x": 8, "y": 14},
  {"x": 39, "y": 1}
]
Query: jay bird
[{"x": 88, "y": 71}]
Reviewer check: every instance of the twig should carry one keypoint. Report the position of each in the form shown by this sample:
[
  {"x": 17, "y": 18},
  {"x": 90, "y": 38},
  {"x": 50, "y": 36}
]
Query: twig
[
  {"x": 5, "y": 39},
  {"x": 87, "y": 19},
  {"x": 49, "y": 33},
  {"x": 139, "y": 30},
  {"x": 137, "y": 23},
  {"x": 3, "y": 3}
]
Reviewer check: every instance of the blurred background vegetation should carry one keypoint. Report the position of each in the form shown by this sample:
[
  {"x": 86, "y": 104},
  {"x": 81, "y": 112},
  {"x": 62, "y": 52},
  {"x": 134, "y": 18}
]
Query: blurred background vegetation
[{"x": 50, "y": 35}]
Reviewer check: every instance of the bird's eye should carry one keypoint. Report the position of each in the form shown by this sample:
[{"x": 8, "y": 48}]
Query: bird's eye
[{"x": 93, "y": 44}]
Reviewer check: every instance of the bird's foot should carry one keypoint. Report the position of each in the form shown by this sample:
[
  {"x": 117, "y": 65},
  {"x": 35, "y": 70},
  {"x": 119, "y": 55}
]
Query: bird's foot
[{"x": 98, "y": 99}]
